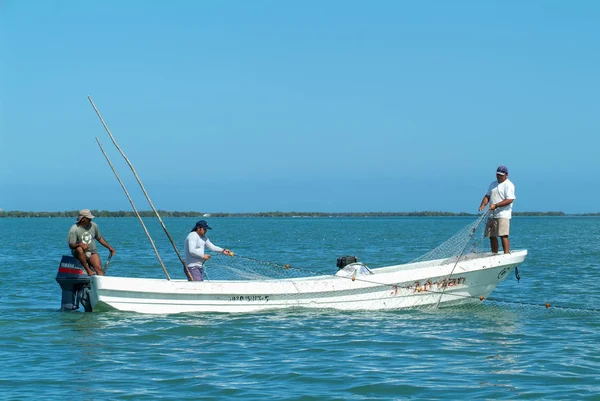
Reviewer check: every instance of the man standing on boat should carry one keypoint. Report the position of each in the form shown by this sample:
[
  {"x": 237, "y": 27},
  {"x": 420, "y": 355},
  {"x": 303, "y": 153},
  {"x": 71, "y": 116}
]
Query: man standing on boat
[
  {"x": 82, "y": 241},
  {"x": 500, "y": 195},
  {"x": 195, "y": 243}
]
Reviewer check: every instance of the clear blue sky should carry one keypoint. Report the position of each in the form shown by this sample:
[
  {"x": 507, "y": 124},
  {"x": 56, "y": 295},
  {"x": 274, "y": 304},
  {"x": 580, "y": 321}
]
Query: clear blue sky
[{"x": 249, "y": 106}]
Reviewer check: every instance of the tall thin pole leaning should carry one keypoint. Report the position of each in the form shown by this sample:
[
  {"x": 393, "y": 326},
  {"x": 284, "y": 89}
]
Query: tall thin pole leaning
[
  {"x": 185, "y": 268},
  {"x": 134, "y": 209}
]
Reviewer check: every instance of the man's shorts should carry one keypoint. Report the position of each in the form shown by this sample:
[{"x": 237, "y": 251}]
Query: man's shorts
[
  {"x": 87, "y": 253},
  {"x": 196, "y": 273},
  {"x": 497, "y": 228}
]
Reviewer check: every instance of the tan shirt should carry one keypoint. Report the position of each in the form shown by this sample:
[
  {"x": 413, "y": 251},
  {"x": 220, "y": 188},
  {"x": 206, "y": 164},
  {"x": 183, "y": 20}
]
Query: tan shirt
[{"x": 87, "y": 235}]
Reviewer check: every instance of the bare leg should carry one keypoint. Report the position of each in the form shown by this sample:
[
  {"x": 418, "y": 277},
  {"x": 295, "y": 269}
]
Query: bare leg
[
  {"x": 96, "y": 264},
  {"x": 80, "y": 255},
  {"x": 505, "y": 244},
  {"x": 494, "y": 244}
]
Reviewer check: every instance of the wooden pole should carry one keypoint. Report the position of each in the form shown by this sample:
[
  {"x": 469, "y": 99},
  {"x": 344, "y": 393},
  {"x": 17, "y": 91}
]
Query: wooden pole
[
  {"x": 185, "y": 268},
  {"x": 107, "y": 263},
  {"x": 135, "y": 210}
]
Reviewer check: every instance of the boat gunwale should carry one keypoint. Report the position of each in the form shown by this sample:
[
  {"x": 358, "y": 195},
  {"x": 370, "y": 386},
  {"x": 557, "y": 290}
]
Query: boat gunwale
[{"x": 327, "y": 283}]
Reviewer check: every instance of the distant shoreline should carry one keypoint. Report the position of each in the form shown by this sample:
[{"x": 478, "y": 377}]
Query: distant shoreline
[{"x": 164, "y": 213}]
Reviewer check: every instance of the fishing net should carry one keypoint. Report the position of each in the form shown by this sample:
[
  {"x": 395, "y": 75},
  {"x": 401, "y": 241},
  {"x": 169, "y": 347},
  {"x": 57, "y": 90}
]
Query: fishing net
[
  {"x": 445, "y": 283},
  {"x": 466, "y": 243},
  {"x": 494, "y": 306},
  {"x": 426, "y": 282},
  {"x": 222, "y": 267}
]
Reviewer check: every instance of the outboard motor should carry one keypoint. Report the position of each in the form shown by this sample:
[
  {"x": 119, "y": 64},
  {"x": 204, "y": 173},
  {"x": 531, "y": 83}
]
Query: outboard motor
[
  {"x": 346, "y": 260},
  {"x": 75, "y": 284},
  {"x": 349, "y": 266}
]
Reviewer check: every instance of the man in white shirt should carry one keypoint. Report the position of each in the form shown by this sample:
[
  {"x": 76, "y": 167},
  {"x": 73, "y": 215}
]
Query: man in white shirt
[
  {"x": 500, "y": 195},
  {"x": 195, "y": 243}
]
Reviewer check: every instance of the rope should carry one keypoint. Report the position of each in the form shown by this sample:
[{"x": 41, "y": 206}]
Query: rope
[
  {"x": 253, "y": 269},
  {"x": 546, "y": 305}
]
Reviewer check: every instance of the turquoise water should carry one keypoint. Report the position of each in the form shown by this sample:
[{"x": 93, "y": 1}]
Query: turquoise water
[{"x": 511, "y": 347}]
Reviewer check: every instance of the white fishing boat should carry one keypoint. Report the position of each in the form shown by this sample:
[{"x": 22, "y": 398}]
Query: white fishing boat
[
  {"x": 456, "y": 272},
  {"x": 470, "y": 279}
]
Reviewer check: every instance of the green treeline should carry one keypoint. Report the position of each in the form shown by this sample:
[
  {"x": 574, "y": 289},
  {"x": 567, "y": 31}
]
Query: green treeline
[
  {"x": 165, "y": 213},
  {"x": 105, "y": 213}
]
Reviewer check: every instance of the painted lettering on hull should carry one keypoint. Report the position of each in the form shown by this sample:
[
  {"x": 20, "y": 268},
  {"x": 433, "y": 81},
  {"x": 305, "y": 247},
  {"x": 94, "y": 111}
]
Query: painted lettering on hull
[
  {"x": 429, "y": 285},
  {"x": 249, "y": 298}
]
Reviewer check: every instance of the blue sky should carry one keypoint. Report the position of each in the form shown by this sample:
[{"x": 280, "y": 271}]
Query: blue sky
[{"x": 242, "y": 106}]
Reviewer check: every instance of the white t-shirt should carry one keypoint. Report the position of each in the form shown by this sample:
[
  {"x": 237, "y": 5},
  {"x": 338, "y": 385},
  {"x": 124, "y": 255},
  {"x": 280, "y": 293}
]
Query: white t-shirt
[
  {"x": 194, "y": 249},
  {"x": 497, "y": 193}
]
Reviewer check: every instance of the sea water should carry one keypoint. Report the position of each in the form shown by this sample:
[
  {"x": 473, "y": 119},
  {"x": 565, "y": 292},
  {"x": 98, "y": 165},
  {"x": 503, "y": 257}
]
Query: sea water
[{"x": 510, "y": 347}]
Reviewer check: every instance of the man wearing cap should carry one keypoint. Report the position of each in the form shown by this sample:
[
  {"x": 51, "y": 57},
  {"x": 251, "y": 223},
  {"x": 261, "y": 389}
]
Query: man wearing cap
[
  {"x": 500, "y": 195},
  {"x": 82, "y": 241},
  {"x": 195, "y": 243}
]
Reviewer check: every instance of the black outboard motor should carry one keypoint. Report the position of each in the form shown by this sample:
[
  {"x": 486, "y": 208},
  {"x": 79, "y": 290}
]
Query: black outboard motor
[
  {"x": 346, "y": 260},
  {"x": 75, "y": 284}
]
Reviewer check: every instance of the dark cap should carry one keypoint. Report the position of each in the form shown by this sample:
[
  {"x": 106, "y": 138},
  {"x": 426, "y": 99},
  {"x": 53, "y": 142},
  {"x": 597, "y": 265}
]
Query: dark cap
[
  {"x": 502, "y": 170},
  {"x": 201, "y": 224}
]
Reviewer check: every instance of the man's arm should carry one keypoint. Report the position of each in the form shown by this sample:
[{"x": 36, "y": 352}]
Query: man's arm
[
  {"x": 105, "y": 244},
  {"x": 213, "y": 247},
  {"x": 505, "y": 202},
  {"x": 484, "y": 202},
  {"x": 83, "y": 245}
]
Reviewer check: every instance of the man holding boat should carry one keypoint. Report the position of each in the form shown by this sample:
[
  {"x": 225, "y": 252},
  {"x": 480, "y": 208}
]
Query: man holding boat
[
  {"x": 500, "y": 195},
  {"x": 195, "y": 243},
  {"x": 82, "y": 241}
]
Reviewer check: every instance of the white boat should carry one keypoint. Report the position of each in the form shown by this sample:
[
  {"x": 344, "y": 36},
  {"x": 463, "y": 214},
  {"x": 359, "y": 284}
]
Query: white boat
[
  {"x": 462, "y": 280},
  {"x": 453, "y": 273}
]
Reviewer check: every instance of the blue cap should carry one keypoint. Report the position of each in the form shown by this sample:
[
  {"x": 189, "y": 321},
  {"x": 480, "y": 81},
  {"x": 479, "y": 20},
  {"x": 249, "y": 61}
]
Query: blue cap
[
  {"x": 502, "y": 170},
  {"x": 202, "y": 224}
]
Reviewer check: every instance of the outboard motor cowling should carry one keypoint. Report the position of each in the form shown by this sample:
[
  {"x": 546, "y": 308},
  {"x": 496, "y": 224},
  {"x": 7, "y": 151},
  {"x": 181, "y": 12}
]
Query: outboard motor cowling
[
  {"x": 346, "y": 260},
  {"x": 75, "y": 284}
]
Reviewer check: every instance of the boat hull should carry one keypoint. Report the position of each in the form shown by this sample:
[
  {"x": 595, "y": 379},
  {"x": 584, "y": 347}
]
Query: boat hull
[{"x": 423, "y": 284}]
